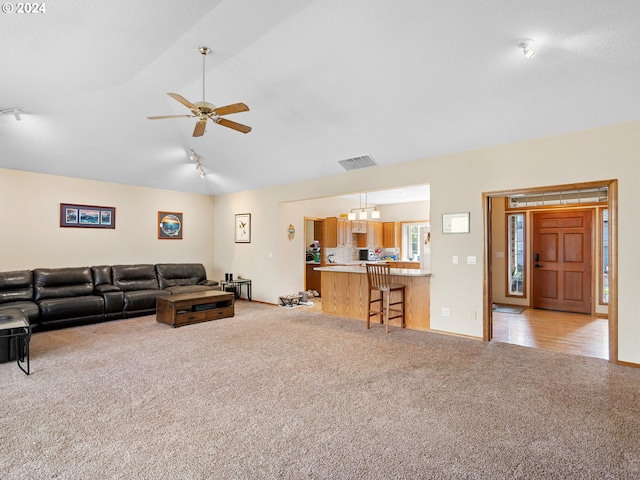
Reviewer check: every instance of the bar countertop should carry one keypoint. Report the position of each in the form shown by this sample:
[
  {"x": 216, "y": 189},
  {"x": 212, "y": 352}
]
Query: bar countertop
[{"x": 359, "y": 268}]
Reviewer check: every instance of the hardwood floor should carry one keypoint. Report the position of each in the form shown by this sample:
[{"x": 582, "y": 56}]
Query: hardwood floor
[{"x": 565, "y": 332}]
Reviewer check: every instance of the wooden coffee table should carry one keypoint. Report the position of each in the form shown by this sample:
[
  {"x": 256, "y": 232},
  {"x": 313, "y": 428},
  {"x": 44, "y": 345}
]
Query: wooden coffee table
[{"x": 187, "y": 308}]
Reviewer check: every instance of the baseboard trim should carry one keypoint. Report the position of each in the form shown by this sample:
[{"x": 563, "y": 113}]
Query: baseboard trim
[{"x": 628, "y": 364}]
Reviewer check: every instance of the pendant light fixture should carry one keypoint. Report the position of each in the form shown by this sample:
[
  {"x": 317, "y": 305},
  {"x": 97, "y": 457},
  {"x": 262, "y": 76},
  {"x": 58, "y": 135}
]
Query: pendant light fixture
[{"x": 363, "y": 213}]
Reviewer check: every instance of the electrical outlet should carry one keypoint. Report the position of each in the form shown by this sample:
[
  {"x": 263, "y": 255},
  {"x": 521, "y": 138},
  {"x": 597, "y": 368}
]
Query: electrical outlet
[
  {"x": 471, "y": 260},
  {"x": 446, "y": 312}
]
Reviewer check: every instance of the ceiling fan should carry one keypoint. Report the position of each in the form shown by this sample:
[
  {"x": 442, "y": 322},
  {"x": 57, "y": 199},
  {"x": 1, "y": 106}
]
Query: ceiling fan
[{"x": 205, "y": 110}]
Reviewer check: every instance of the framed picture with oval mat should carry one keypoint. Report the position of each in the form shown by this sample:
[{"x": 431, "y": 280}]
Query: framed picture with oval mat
[{"x": 170, "y": 226}]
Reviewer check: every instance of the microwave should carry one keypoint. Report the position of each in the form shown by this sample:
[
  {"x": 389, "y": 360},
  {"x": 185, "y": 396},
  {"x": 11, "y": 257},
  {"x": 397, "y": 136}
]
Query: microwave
[{"x": 367, "y": 254}]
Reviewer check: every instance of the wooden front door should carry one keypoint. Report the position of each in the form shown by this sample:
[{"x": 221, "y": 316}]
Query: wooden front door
[{"x": 562, "y": 260}]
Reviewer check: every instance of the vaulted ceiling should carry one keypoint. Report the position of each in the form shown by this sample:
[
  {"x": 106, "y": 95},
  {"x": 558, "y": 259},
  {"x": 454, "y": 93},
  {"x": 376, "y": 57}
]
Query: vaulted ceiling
[{"x": 325, "y": 80}]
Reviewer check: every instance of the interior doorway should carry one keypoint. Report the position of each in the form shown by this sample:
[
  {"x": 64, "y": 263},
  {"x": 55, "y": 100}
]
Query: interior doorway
[{"x": 611, "y": 188}]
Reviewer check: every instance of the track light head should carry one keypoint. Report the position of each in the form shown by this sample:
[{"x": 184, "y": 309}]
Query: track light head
[{"x": 526, "y": 44}]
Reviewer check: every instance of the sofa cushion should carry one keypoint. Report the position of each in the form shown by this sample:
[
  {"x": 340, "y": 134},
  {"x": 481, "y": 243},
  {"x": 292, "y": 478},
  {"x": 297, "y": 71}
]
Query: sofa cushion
[
  {"x": 62, "y": 282},
  {"x": 134, "y": 277},
  {"x": 136, "y": 300},
  {"x": 180, "y": 274},
  {"x": 68, "y": 308},
  {"x": 16, "y": 286},
  {"x": 101, "y": 275},
  {"x": 178, "y": 289},
  {"x": 30, "y": 309}
]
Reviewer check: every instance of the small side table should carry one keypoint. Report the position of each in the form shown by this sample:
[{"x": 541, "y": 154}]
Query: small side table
[
  {"x": 237, "y": 286},
  {"x": 14, "y": 324}
]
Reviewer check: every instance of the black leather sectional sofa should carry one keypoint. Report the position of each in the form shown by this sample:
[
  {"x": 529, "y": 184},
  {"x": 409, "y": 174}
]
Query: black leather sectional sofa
[{"x": 61, "y": 297}]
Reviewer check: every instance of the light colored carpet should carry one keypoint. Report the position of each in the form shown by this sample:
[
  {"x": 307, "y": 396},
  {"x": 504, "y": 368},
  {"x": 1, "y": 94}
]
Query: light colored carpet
[{"x": 289, "y": 394}]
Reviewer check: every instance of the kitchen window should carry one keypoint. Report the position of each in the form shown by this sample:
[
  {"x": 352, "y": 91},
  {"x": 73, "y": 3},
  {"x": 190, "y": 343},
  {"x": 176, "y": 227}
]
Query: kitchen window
[{"x": 414, "y": 237}]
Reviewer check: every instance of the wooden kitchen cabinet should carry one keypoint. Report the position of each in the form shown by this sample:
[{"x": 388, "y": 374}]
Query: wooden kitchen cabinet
[
  {"x": 330, "y": 232},
  {"x": 374, "y": 234},
  {"x": 337, "y": 231},
  {"x": 411, "y": 265},
  {"x": 344, "y": 232},
  {"x": 389, "y": 230},
  {"x": 313, "y": 278},
  {"x": 359, "y": 226},
  {"x": 361, "y": 240}
]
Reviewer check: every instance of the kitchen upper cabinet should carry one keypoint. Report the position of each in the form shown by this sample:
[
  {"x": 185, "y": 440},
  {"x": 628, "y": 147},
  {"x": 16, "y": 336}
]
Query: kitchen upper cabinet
[
  {"x": 374, "y": 234},
  {"x": 389, "y": 234},
  {"x": 337, "y": 232},
  {"x": 330, "y": 232},
  {"x": 359, "y": 226},
  {"x": 344, "y": 232}
]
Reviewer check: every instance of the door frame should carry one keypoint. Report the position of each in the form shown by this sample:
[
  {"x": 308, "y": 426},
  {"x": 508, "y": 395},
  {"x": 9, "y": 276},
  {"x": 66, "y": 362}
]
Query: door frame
[{"x": 612, "y": 205}]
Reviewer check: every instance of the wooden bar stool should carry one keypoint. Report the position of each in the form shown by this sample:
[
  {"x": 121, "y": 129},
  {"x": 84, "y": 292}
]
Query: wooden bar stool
[{"x": 379, "y": 278}]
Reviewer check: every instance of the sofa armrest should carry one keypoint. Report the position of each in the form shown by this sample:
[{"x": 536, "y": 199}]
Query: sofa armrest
[{"x": 208, "y": 283}]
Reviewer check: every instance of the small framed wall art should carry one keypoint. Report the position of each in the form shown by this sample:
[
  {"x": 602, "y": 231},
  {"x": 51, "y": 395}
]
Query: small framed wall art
[
  {"x": 243, "y": 228},
  {"x": 170, "y": 226},
  {"x": 455, "y": 222},
  {"x": 87, "y": 216}
]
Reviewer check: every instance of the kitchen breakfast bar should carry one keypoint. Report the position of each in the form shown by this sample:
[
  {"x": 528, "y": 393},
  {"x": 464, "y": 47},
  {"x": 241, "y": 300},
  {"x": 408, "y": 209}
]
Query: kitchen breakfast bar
[{"x": 345, "y": 293}]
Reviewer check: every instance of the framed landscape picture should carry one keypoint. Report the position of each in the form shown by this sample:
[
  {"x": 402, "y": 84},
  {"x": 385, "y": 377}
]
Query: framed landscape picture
[
  {"x": 87, "y": 216},
  {"x": 243, "y": 228},
  {"x": 170, "y": 226}
]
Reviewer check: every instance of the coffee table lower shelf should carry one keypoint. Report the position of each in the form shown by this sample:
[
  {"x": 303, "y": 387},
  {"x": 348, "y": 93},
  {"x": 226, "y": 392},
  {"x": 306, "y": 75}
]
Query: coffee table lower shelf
[{"x": 189, "y": 308}]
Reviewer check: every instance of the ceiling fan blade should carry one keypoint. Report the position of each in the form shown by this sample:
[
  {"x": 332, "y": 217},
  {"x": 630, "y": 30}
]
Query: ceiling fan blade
[
  {"x": 233, "y": 125},
  {"x": 159, "y": 117},
  {"x": 183, "y": 101},
  {"x": 235, "y": 108},
  {"x": 200, "y": 127}
]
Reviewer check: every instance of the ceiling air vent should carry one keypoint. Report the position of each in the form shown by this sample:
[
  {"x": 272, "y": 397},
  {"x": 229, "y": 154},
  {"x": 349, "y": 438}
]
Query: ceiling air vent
[{"x": 357, "y": 163}]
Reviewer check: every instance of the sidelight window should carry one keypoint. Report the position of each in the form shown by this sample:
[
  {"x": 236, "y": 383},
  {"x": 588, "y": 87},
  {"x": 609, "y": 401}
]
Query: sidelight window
[
  {"x": 604, "y": 256},
  {"x": 516, "y": 273}
]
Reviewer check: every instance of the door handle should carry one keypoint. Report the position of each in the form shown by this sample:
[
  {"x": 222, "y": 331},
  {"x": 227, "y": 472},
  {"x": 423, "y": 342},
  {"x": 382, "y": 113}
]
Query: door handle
[{"x": 538, "y": 266}]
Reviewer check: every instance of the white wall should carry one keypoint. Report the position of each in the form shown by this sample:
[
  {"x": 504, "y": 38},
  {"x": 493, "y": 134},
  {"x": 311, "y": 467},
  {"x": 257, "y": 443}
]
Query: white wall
[
  {"x": 32, "y": 236},
  {"x": 457, "y": 182}
]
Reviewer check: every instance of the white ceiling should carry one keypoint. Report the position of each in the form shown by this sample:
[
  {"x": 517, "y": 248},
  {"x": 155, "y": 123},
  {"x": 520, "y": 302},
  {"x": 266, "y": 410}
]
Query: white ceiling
[
  {"x": 413, "y": 193},
  {"x": 325, "y": 80}
]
